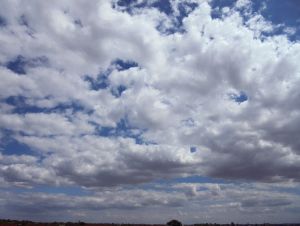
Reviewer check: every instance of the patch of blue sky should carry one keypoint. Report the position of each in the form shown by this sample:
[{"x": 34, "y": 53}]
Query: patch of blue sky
[
  {"x": 19, "y": 64},
  {"x": 102, "y": 81},
  {"x": 130, "y": 5},
  {"x": 67, "y": 190},
  {"x": 2, "y": 21},
  {"x": 126, "y": 2},
  {"x": 282, "y": 13},
  {"x": 286, "y": 13},
  {"x": 73, "y": 105},
  {"x": 122, "y": 65},
  {"x": 123, "y": 129},
  {"x": 117, "y": 92},
  {"x": 222, "y": 3},
  {"x": 216, "y": 5},
  {"x": 21, "y": 106},
  {"x": 193, "y": 149},
  {"x": 10, "y": 146},
  {"x": 238, "y": 98},
  {"x": 184, "y": 8},
  {"x": 165, "y": 7}
]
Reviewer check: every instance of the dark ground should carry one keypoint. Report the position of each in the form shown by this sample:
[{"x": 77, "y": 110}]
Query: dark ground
[{"x": 31, "y": 223}]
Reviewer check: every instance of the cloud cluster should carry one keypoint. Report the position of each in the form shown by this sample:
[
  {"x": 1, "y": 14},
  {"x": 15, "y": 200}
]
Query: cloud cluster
[
  {"x": 107, "y": 95},
  {"x": 189, "y": 201}
]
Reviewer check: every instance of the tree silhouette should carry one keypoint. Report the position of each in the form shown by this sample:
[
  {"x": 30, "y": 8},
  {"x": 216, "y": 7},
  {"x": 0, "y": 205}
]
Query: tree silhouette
[{"x": 174, "y": 223}]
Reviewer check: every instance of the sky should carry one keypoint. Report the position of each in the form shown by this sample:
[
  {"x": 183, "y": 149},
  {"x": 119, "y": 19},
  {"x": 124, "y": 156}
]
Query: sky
[{"x": 144, "y": 111}]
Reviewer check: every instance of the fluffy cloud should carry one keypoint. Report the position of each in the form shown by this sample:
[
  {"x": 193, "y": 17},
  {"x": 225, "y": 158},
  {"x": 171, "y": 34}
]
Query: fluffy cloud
[{"x": 178, "y": 95}]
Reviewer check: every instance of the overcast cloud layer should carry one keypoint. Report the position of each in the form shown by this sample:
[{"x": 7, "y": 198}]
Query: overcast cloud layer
[{"x": 102, "y": 101}]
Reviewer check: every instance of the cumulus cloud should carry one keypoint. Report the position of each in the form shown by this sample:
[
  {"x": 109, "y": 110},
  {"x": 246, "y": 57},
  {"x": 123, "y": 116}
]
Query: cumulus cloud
[{"x": 107, "y": 95}]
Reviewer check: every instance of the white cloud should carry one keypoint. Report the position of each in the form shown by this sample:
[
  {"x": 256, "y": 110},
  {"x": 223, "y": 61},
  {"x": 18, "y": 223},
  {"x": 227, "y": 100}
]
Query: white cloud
[
  {"x": 290, "y": 30},
  {"x": 242, "y": 3},
  {"x": 180, "y": 77},
  {"x": 40, "y": 124}
]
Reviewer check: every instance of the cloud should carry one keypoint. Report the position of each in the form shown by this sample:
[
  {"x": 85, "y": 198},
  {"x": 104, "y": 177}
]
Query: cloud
[
  {"x": 242, "y": 198},
  {"x": 92, "y": 161},
  {"x": 212, "y": 59},
  {"x": 108, "y": 96}
]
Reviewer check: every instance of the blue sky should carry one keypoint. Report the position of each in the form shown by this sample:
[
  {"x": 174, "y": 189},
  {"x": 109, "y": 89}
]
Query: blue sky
[{"x": 144, "y": 111}]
